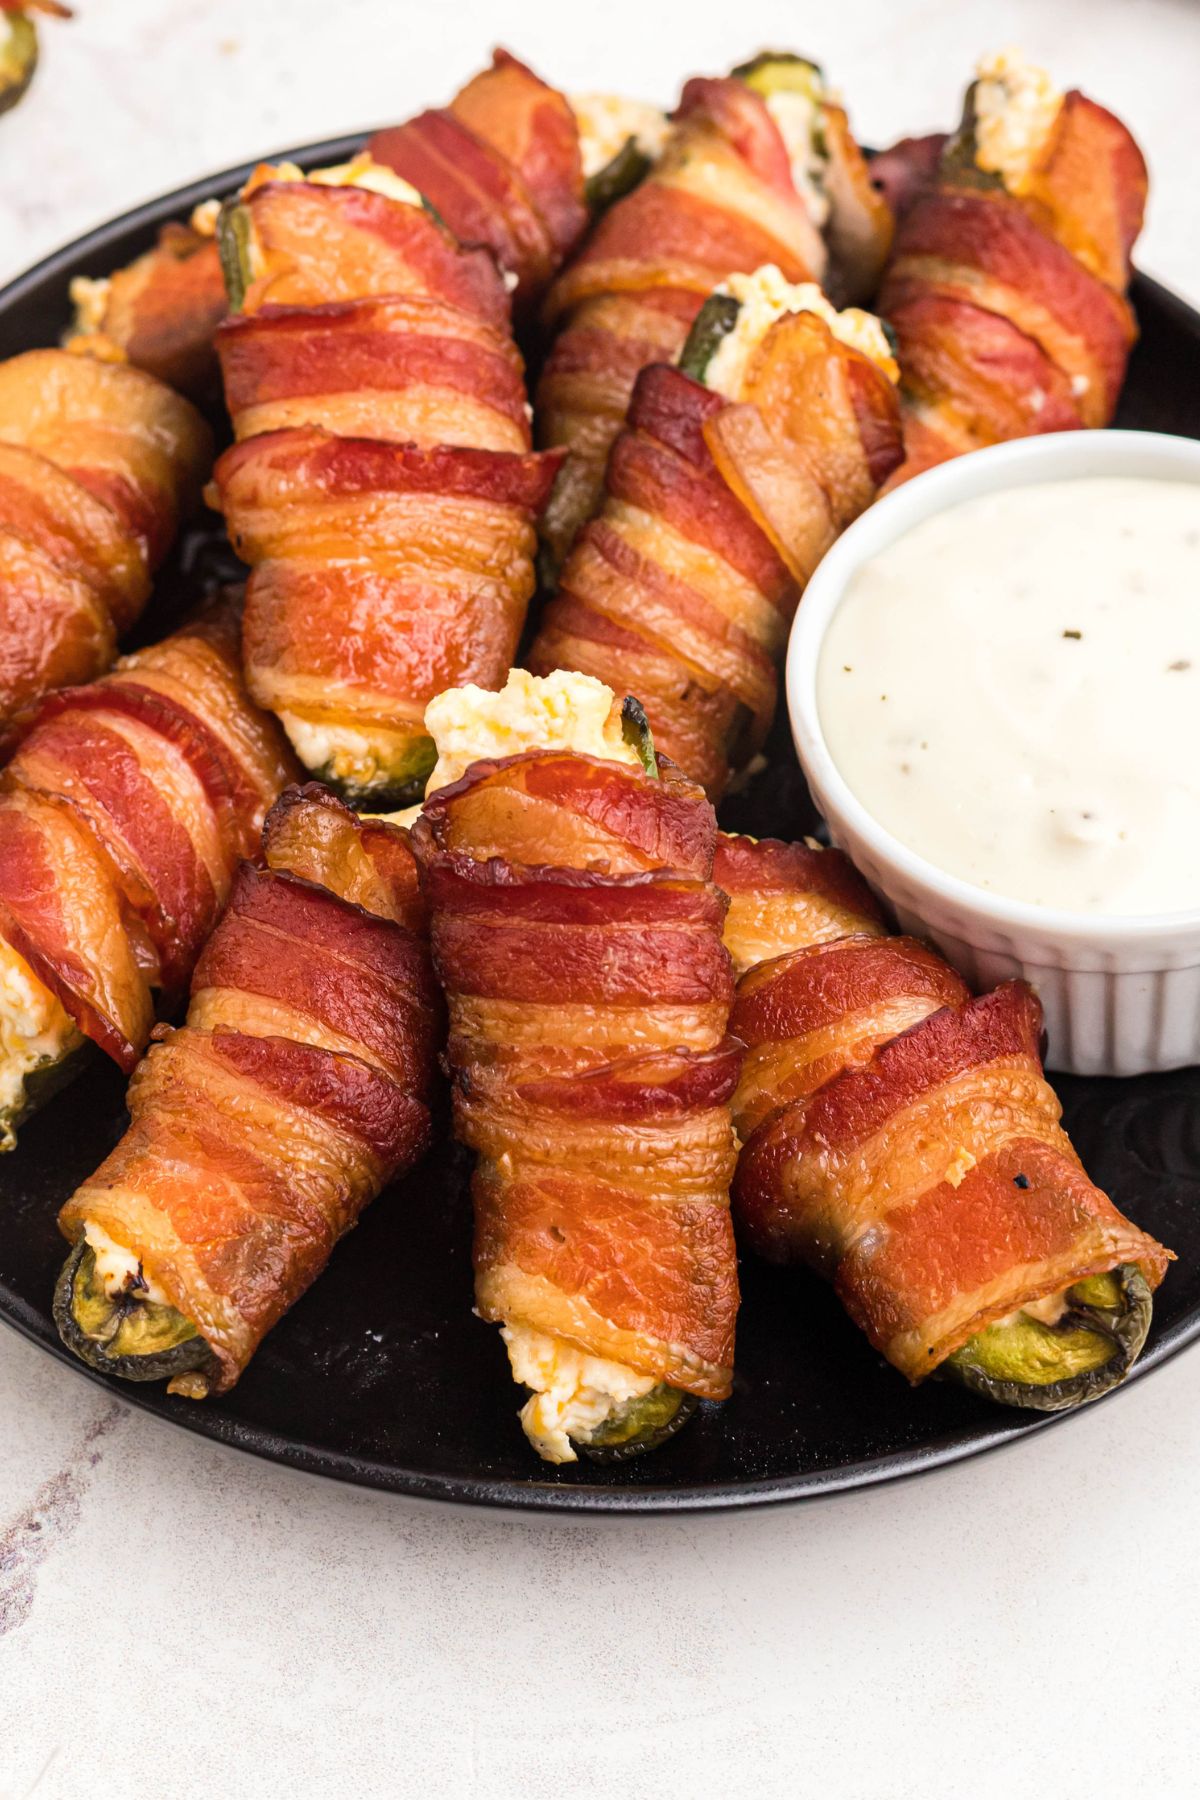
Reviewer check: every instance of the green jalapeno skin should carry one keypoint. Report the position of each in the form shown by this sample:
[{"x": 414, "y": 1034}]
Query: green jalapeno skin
[
  {"x": 782, "y": 72},
  {"x": 18, "y": 58},
  {"x": 619, "y": 176},
  {"x": 635, "y": 730},
  {"x": 715, "y": 320},
  {"x": 41, "y": 1085},
  {"x": 1052, "y": 1368},
  {"x": 233, "y": 248},
  {"x": 102, "y": 1330},
  {"x": 959, "y": 163},
  {"x": 401, "y": 784},
  {"x": 640, "y": 1426}
]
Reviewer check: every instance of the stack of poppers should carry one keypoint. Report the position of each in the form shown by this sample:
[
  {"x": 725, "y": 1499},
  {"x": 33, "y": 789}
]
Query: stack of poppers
[{"x": 564, "y": 902}]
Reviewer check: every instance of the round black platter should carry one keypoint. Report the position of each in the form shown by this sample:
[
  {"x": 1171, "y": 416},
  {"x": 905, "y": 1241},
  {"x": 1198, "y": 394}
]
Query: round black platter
[{"x": 382, "y": 1375}]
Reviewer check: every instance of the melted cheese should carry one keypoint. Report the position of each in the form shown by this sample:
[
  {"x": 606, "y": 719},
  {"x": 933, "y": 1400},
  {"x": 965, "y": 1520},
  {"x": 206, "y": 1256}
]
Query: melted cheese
[
  {"x": 798, "y": 118},
  {"x": 1016, "y": 104},
  {"x": 204, "y": 218},
  {"x": 606, "y": 123},
  {"x": 35, "y": 1031},
  {"x": 361, "y": 171},
  {"x": 573, "y": 1393},
  {"x": 119, "y": 1269},
  {"x": 531, "y": 712},
  {"x": 766, "y": 296}
]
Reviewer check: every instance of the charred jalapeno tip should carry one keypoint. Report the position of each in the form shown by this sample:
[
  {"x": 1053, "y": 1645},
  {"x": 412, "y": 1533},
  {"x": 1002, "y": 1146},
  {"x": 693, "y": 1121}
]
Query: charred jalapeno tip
[
  {"x": 619, "y": 176},
  {"x": 398, "y": 782},
  {"x": 18, "y": 56},
  {"x": 640, "y": 1425},
  {"x": 715, "y": 320},
  {"x": 124, "y": 1333},
  {"x": 1051, "y": 1366},
  {"x": 635, "y": 729}
]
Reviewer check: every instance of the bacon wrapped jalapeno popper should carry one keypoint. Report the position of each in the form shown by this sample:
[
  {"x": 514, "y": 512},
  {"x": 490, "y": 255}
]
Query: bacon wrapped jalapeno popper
[
  {"x": 758, "y": 168},
  {"x": 577, "y": 934},
  {"x": 160, "y": 311},
  {"x": 1006, "y": 289},
  {"x": 97, "y": 465},
  {"x": 382, "y": 487},
  {"x": 901, "y": 1139},
  {"x": 261, "y": 1128},
  {"x": 509, "y": 164},
  {"x": 123, "y": 814},
  {"x": 734, "y": 475}
]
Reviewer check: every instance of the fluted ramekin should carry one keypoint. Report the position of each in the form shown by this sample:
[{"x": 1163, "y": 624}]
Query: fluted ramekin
[{"x": 1121, "y": 993}]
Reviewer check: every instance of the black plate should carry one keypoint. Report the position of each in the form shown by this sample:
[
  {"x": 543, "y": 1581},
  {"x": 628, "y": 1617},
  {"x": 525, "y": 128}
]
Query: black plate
[{"x": 381, "y": 1374}]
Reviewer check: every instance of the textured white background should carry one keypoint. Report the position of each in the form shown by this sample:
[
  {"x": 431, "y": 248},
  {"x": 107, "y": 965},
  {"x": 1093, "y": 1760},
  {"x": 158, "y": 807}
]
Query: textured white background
[{"x": 177, "y": 1618}]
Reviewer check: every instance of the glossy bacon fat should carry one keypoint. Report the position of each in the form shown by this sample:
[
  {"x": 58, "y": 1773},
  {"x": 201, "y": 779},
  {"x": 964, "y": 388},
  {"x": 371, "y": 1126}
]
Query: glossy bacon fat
[
  {"x": 577, "y": 933},
  {"x": 296, "y": 1090},
  {"x": 382, "y": 489},
  {"x": 1007, "y": 286},
  {"x": 123, "y": 814},
  {"x": 716, "y": 511},
  {"x": 725, "y": 196},
  {"x": 97, "y": 465},
  {"x": 501, "y": 165},
  {"x": 901, "y": 1139}
]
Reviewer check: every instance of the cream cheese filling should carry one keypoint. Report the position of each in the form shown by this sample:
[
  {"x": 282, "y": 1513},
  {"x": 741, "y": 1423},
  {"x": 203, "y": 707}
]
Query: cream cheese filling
[
  {"x": 362, "y": 171},
  {"x": 798, "y": 118},
  {"x": 766, "y": 296},
  {"x": 35, "y": 1031},
  {"x": 1016, "y": 104},
  {"x": 561, "y": 711},
  {"x": 607, "y": 122},
  {"x": 118, "y": 1269},
  {"x": 574, "y": 1394}
]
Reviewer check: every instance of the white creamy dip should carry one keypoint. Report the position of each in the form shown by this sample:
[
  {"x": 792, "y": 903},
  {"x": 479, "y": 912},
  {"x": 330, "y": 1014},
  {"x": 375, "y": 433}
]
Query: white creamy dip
[{"x": 1012, "y": 689}]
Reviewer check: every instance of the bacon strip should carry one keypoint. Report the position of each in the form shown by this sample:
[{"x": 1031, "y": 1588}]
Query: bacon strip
[
  {"x": 720, "y": 201},
  {"x": 501, "y": 165},
  {"x": 297, "y": 1089},
  {"x": 125, "y": 810},
  {"x": 98, "y": 463},
  {"x": 682, "y": 590},
  {"x": 382, "y": 487},
  {"x": 901, "y": 1138},
  {"x": 1009, "y": 308},
  {"x": 588, "y": 993},
  {"x": 160, "y": 311}
]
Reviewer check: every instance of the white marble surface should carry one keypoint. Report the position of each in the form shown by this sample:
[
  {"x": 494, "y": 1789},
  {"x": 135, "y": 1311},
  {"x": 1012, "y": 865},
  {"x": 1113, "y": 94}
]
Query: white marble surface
[{"x": 173, "y": 1614}]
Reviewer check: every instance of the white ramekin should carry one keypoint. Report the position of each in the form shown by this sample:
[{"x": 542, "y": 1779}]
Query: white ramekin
[{"x": 1121, "y": 994}]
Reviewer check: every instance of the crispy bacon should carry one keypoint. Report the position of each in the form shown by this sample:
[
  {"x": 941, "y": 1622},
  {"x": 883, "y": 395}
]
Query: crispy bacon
[
  {"x": 297, "y": 1089},
  {"x": 97, "y": 465},
  {"x": 785, "y": 896},
  {"x": 501, "y": 165},
  {"x": 681, "y": 591},
  {"x": 160, "y": 311},
  {"x": 383, "y": 573},
  {"x": 126, "y": 807},
  {"x": 412, "y": 370},
  {"x": 900, "y": 1137},
  {"x": 1009, "y": 308},
  {"x": 382, "y": 488},
  {"x": 720, "y": 201},
  {"x": 577, "y": 934}
]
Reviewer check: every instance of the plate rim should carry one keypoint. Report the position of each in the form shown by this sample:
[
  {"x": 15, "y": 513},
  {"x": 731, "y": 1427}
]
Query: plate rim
[{"x": 503, "y": 1495}]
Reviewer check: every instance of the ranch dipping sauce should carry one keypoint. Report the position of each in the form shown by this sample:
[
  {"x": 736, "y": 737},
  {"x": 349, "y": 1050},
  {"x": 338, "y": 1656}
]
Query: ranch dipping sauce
[{"x": 1012, "y": 689}]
